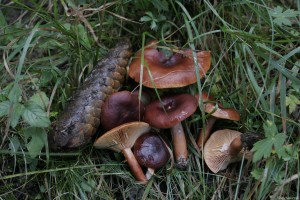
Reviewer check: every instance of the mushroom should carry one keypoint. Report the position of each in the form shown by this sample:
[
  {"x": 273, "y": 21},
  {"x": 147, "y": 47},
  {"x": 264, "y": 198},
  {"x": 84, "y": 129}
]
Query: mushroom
[
  {"x": 151, "y": 151},
  {"x": 217, "y": 112},
  {"x": 122, "y": 139},
  {"x": 175, "y": 71},
  {"x": 169, "y": 113},
  {"x": 225, "y": 147},
  {"x": 145, "y": 97},
  {"x": 121, "y": 107}
]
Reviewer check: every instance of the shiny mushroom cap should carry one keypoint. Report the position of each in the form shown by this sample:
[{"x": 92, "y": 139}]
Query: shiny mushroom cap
[
  {"x": 168, "y": 72},
  {"x": 150, "y": 151},
  {"x": 120, "y": 108},
  {"x": 170, "y": 111},
  {"x": 122, "y": 137},
  {"x": 217, "y": 150},
  {"x": 218, "y": 110}
]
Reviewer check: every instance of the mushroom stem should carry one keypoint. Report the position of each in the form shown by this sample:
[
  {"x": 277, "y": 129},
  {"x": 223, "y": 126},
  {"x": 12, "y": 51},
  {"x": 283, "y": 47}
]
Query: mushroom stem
[
  {"x": 235, "y": 146},
  {"x": 134, "y": 165},
  {"x": 205, "y": 132},
  {"x": 179, "y": 145},
  {"x": 149, "y": 173}
]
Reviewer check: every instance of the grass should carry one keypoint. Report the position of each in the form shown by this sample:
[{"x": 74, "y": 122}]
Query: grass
[{"x": 53, "y": 45}]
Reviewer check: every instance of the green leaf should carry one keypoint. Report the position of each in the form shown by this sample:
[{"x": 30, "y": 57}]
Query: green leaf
[
  {"x": 34, "y": 115},
  {"x": 262, "y": 149},
  {"x": 41, "y": 99},
  {"x": 145, "y": 19},
  {"x": 15, "y": 93},
  {"x": 257, "y": 173},
  {"x": 160, "y": 5},
  {"x": 282, "y": 18},
  {"x": 278, "y": 141},
  {"x": 14, "y": 145},
  {"x": 83, "y": 36},
  {"x": 35, "y": 140},
  {"x": 270, "y": 129},
  {"x": 4, "y": 108},
  {"x": 153, "y": 25},
  {"x": 88, "y": 186},
  {"x": 18, "y": 109},
  {"x": 292, "y": 101}
]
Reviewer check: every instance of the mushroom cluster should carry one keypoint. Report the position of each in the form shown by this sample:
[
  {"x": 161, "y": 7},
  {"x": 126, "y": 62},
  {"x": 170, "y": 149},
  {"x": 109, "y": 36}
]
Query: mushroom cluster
[{"x": 130, "y": 119}]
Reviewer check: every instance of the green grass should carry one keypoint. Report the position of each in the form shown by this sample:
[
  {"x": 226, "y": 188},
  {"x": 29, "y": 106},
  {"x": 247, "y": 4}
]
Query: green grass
[{"x": 255, "y": 69}]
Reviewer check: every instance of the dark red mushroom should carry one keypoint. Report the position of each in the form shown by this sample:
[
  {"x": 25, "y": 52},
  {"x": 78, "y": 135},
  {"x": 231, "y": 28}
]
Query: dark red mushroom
[
  {"x": 175, "y": 71},
  {"x": 121, "y": 107},
  {"x": 217, "y": 111},
  {"x": 169, "y": 113},
  {"x": 151, "y": 151}
]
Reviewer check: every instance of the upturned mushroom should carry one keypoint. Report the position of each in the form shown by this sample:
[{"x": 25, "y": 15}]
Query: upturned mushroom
[
  {"x": 151, "y": 152},
  {"x": 227, "y": 146},
  {"x": 177, "y": 70},
  {"x": 122, "y": 139},
  {"x": 216, "y": 111},
  {"x": 121, "y": 107},
  {"x": 169, "y": 113}
]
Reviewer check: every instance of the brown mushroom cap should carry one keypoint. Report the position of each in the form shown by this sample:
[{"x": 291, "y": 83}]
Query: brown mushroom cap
[
  {"x": 119, "y": 108},
  {"x": 217, "y": 154},
  {"x": 150, "y": 151},
  {"x": 170, "y": 111},
  {"x": 175, "y": 71},
  {"x": 218, "y": 111},
  {"x": 122, "y": 137}
]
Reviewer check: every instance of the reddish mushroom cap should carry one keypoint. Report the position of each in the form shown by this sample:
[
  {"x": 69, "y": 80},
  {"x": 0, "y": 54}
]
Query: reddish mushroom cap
[
  {"x": 218, "y": 110},
  {"x": 175, "y": 71},
  {"x": 170, "y": 111},
  {"x": 119, "y": 108},
  {"x": 150, "y": 151}
]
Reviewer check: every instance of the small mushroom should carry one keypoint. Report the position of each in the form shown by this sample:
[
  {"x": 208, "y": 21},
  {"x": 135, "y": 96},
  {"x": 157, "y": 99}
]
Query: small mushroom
[
  {"x": 174, "y": 71},
  {"x": 120, "y": 108},
  {"x": 217, "y": 112},
  {"x": 122, "y": 139},
  {"x": 169, "y": 113},
  {"x": 224, "y": 147},
  {"x": 151, "y": 151}
]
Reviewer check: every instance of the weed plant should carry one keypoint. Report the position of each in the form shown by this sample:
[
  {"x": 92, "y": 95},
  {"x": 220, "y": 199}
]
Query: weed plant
[{"x": 48, "y": 47}]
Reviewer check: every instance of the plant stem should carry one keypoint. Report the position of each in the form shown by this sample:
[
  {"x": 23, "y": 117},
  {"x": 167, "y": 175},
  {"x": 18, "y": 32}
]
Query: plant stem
[
  {"x": 205, "y": 132},
  {"x": 235, "y": 146},
  {"x": 179, "y": 145},
  {"x": 134, "y": 166}
]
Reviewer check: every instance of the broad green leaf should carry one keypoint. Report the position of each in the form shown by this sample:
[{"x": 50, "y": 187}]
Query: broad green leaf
[
  {"x": 45, "y": 77},
  {"x": 282, "y": 18},
  {"x": 257, "y": 173},
  {"x": 153, "y": 25},
  {"x": 41, "y": 99},
  {"x": 262, "y": 149},
  {"x": 34, "y": 115},
  {"x": 14, "y": 144},
  {"x": 270, "y": 129},
  {"x": 15, "y": 93},
  {"x": 292, "y": 101},
  {"x": 287, "y": 153},
  {"x": 18, "y": 109},
  {"x": 88, "y": 186},
  {"x": 4, "y": 108},
  {"x": 145, "y": 19},
  {"x": 278, "y": 141},
  {"x": 83, "y": 36},
  {"x": 35, "y": 140}
]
